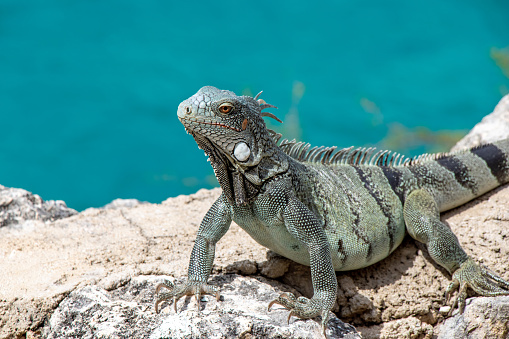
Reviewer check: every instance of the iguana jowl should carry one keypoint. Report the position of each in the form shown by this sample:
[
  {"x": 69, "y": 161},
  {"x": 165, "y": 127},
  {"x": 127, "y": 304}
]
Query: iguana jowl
[{"x": 326, "y": 208}]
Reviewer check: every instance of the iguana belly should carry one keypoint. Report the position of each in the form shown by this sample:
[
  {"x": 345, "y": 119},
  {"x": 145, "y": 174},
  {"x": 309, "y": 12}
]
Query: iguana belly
[
  {"x": 354, "y": 243},
  {"x": 272, "y": 235}
]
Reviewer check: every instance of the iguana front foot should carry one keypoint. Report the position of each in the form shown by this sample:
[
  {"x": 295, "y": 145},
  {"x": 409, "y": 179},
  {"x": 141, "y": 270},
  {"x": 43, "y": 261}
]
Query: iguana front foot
[
  {"x": 302, "y": 307},
  {"x": 470, "y": 274},
  {"x": 189, "y": 288}
]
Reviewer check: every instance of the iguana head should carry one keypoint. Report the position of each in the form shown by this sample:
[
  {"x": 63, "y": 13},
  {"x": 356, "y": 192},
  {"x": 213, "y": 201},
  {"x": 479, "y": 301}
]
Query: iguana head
[{"x": 231, "y": 131}]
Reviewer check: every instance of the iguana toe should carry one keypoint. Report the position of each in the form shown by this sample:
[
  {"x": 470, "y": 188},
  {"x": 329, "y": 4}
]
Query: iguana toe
[
  {"x": 302, "y": 307},
  {"x": 472, "y": 275},
  {"x": 189, "y": 288}
]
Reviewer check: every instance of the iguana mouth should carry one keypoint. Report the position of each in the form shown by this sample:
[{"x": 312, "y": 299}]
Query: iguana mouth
[
  {"x": 212, "y": 151},
  {"x": 188, "y": 119}
]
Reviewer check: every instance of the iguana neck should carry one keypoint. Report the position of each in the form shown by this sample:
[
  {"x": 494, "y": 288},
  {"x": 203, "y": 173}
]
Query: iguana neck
[{"x": 241, "y": 184}]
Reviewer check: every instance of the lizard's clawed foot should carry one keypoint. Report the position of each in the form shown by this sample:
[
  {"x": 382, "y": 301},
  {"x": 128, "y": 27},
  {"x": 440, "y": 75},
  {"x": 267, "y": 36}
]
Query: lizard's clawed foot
[
  {"x": 472, "y": 275},
  {"x": 189, "y": 288},
  {"x": 302, "y": 307}
]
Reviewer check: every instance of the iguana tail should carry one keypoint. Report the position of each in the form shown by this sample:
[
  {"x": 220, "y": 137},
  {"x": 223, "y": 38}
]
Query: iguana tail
[{"x": 458, "y": 177}]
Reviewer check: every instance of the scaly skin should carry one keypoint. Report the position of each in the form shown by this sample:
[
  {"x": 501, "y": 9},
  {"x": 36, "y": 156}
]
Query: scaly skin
[{"x": 331, "y": 210}]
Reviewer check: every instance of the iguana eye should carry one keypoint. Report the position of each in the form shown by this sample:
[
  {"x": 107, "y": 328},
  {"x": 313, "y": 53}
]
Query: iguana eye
[{"x": 225, "y": 108}]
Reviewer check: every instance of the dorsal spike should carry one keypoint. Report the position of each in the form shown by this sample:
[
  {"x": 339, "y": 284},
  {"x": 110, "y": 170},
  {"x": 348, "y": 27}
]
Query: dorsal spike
[
  {"x": 275, "y": 135},
  {"x": 390, "y": 158},
  {"x": 397, "y": 160},
  {"x": 310, "y": 153},
  {"x": 346, "y": 156},
  {"x": 258, "y": 95},
  {"x": 387, "y": 157},
  {"x": 393, "y": 158},
  {"x": 286, "y": 141},
  {"x": 336, "y": 158},
  {"x": 381, "y": 158},
  {"x": 266, "y": 105},
  {"x": 374, "y": 158},
  {"x": 327, "y": 155},
  {"x": 291, "y": 148},
  {"x": 368, "y": 154},
  {"x": 360, "y": 154},
  {"x": 270, "y": 115},
  {"x": 352, "y": 156},
  {"x": 287, "y": 145},
  {"x": 319, "y": 154},
  {"x": 295, "y": 148},
  {"x": 303, "y": 152}
]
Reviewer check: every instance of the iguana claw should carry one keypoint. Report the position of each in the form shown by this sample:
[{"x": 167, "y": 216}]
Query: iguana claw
[
  {"x": 472, "y": 275},
  {"x": 189, "y": 288},
  {"x": 289, "y": 317},
  {"x": 302, "y": 307}
]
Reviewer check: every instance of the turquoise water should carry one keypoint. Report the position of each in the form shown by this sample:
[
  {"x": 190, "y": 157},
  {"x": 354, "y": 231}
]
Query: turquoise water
[{"x": 89, "y": 89}]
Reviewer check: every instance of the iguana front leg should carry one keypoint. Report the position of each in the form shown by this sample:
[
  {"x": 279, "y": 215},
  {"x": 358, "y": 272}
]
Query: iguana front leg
[
  {"x": 303, "y": 225},
  {"x": 212, "y": 228},
  {"x": 422, "y": 220}
]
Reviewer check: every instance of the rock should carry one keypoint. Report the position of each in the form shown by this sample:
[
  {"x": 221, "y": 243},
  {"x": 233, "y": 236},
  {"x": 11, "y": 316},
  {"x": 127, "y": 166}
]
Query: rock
[
  {"x": 120, "y": 254},
  {"x": 119, "y": 203},
  {"x": 493, "y": 127},
  {"x": 275, "y": 266},
  {"x": 128, "y": 312},
  {"x": 408, "y": 328},
  {"x": 483, "y": 318},
  {"x": 18, "y": 205}
]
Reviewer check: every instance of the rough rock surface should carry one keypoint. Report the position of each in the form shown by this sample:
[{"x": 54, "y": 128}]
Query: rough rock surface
[
  {"x": 18, "y": 205},
  {"x": 483, "y": 318},
  {"x": 51, "y": 266},
  {"x": 493, "y": 127},
  {"x": 119, "y": 203},
  {"x": 93, "y": 274},
  {"x": 127, "y": 312}
]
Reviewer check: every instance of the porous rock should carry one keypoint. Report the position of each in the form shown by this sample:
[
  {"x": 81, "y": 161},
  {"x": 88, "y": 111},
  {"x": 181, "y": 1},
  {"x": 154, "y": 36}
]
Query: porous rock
[
  {"x": 115, "y": 257},
  {"x": 493, "y": 127},
  {"x": 119, "y": 203},
  {"x": 128, "y": 312},
  {"x": 483, "y": 318},
  {"x": 18, "y": 205}
]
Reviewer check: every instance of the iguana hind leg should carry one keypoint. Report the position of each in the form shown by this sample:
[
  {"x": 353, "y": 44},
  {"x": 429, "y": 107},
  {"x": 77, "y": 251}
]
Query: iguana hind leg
[{"x": 423, "y": 223}]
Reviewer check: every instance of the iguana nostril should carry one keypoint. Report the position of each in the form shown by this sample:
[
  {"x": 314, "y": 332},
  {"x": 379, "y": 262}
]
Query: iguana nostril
[{"x": 188, "y": 110}]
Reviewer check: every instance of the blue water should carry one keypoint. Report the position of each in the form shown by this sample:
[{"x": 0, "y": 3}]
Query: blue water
[{"x": 89, "y": 89}]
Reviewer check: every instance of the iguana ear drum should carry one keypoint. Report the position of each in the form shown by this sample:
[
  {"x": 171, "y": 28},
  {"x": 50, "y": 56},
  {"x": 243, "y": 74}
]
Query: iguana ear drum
[{"x": 241, "y": 151}]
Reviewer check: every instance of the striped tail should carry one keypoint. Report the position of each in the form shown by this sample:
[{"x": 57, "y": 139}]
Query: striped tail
[{"x": 461, "y": 176}]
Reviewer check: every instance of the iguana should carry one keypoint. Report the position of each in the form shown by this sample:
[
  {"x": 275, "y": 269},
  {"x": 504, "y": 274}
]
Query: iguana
[{"x": 334, "y": 210}]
